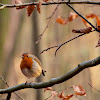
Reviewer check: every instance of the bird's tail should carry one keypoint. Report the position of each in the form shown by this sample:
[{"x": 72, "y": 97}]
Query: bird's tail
[{"x": 43, "y": 72}]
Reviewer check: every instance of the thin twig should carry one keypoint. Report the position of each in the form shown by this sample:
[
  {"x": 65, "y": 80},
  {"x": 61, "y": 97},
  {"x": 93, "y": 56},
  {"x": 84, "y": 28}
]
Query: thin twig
[
  {"x": 68, "y": 1},
  {"x": 93, "y": 87},
  {"x": 68, "y": 41},
  {"x": 83, "y": 17},
  {"x": 4, "y": 81},
  {"x": 2, "y": 7},
  {"x": 39, "y": 38},
  {"x": 81, "y": 34},
  {"x": 9, "y": 86},
  {"x": 49, "y": 48},
  {"x": 59, "y": 46},
  {"x": 49, "y": 3}
]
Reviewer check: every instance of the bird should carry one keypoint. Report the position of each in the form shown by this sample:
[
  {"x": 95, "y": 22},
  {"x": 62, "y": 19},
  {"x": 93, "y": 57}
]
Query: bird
[{"x": 31, "y": 66}]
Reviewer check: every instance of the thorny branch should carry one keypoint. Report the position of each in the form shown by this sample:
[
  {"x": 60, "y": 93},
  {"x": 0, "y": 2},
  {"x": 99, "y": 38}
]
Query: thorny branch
[
  {"x": 49, "y": 3},
  {"x": 54, "y": 81}
]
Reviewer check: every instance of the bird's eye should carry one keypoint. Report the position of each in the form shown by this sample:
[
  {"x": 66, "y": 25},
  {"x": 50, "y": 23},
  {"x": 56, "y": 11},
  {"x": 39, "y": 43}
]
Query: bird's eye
[{"x": 27, "y": 56}]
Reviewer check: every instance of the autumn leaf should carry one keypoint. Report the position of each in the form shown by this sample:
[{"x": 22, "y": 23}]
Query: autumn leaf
[
  {"x": 61, "y": 20},
  {"x": 53, "y": 94},
  {"x": 91, "y": 16},
  {"x": 19, "y": 2},
  {"x": 39, "y": 7},
  {"x": 79, "y": 90},
  {"x": 72, "y": 16},
  {"x": 61, "y": 95},
  {"x": 30, "y": 9},
  {"x": 45, "y": 0},
  {"x": 87, "y": 17},
  {"x": 48, "y": 88},
  {"x": 85, "y": 23},
  {"x": 67, "y": 97},
  {"x": 86, "y": 30},
  {"x": 98, "y": 41}
]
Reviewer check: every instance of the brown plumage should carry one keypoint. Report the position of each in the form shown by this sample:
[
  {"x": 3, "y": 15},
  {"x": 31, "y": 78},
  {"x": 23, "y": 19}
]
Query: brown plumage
[{"x": 31, "y": 66}]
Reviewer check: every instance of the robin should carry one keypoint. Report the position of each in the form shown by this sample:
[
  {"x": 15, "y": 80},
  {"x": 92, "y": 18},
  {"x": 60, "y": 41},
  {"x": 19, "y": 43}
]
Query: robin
[{"x": 31, "y": 66}]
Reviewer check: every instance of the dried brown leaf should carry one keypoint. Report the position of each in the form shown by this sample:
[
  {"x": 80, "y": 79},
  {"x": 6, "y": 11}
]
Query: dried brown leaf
[
  {"x": 79, "y": 90},
  {"x": 48, "y": 88},
  {"x": 68, "y": 97},
  {"x": 72, "y": 16},
  {"x": 53, "y": 94},
  {"x": 30, "y": 9},
  {"x": 85, "y": 23},
  {"x": 19, "y": 2},
  {"x": 92, "y": 15},
  {"x": 61, "y": 20},
  {"x": 98, "y": 41},
  {"x": 39, "y": 7},
  {"x": 45, "y": 0},
  {"x": 61, "y": 95},
  {"x": 86, "y": 30}
]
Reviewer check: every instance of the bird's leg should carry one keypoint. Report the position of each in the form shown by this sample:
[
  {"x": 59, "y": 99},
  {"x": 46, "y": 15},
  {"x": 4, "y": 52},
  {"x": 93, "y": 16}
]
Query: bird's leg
[
  {"x": 27, "y": 80},
  {"x": 32, "y": 80}
]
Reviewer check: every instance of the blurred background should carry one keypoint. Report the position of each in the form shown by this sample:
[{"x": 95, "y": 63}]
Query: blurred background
[{"x": 18, "y": 34}]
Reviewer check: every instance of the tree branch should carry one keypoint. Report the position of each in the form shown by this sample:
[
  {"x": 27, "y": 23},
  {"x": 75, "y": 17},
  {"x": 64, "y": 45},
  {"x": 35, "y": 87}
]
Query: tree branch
[
  {"x": 9, "y": 86},
  {"x": 8, "y": 96},
  {"x": 49, "y": 3},
  {"x": 54, "y": 81},
  {"x": 83, "y": 17},
  {"x": 40, "y": 36},
  {"x": 83, "y": 33}
]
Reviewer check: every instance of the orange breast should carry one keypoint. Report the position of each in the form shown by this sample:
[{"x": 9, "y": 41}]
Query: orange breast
[{"x": 26, "y": 63}]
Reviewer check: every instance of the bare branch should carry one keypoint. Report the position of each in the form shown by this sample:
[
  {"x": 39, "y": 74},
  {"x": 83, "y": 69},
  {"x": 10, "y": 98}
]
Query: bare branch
[
  {"x": 93, "y": 87},
  {"x": 54, "y": 81},
  {"x": 4, "y": 81},
  {"x": 59, "y": 46},
  {"x": 68, "y": 41},
  {"x": 47, "y": 24},
  {"x": 83, "y": 18},
  {"x": 49, "y": 3},
  {"x": 8, "y": 96},
  {"x": 49, "y": 48},
  {"x": 9, "y": 86}
]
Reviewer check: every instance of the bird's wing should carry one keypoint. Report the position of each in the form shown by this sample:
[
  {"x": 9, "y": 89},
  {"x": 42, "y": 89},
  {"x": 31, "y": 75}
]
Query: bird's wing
[{"x": 36, "y": 59}]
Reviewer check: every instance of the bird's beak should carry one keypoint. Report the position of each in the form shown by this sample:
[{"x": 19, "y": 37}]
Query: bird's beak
[{"x": 21, "y": 56}]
